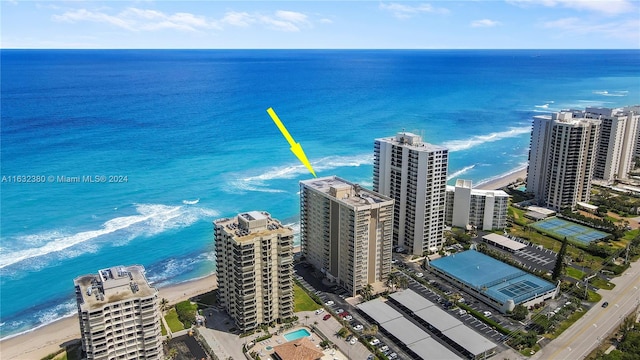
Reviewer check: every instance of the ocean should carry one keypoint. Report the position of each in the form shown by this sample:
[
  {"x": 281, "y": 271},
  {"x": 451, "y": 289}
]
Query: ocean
[{"x": 174, "y": 139}]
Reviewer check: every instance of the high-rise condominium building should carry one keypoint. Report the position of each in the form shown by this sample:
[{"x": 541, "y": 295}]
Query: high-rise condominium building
[
  {"x": 119, "y": 314},
  {"x": 345, "y": 231},
  {"x": 254, "y": 258},
  {"x": 482, "y": 209},
  {"x": 618, "y": 141},
  {"x": 562, "y": 159},
  {"x": 414, "y": 174}
]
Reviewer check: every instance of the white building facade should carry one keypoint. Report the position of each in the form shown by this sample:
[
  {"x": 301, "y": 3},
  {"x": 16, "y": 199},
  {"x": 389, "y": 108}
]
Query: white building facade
[
  {"x": 119, "y": 314},
  {"x": 562, "y": 159},
  {"x": 254, "y": 260},
  {"x": 482, "y": 209},
  {"x": 618, "y": 141},
  {"x": 414, "y": 174},
  {"x": 346, "y": 232}
]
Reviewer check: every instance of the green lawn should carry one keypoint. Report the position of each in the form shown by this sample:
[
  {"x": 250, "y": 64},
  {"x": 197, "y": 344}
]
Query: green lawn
[
  {"x": 172, "y": 321},
  {"x": 575, "y": 273},
  {"x": 602, "y": 284},
  {"x": 302, "y": 301}
]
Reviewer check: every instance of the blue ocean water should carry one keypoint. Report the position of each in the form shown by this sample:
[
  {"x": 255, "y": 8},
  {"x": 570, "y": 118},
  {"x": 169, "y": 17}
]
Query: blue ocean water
[{"x": 188, "y": 135}]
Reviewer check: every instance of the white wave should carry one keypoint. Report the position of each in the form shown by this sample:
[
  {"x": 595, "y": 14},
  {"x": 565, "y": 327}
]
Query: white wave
[
  {"x": 44, "y": 318},
  {"x": 455, "y": 174},
  {"x": 258, "y": 182},
  {"x": 176, "y": 266},
  {"x": 545, "y": 106},
  {"x": 151, "y": 219},
  {"x": 612, "y": 93},
  {"x": 458, "y": 145},
  {"x": 191, "y": 202},
  {"x": 521, "y": 167}
]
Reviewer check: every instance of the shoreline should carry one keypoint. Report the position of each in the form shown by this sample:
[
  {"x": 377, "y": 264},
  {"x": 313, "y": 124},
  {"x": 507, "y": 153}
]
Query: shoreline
[
  {"x": 42, "y": 341},
  {"x": 504, "y": 180},
  {"x": 49, "y": 338}
]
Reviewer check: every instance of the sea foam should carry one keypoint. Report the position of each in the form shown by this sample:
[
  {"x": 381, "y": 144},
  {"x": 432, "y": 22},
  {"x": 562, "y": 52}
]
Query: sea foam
[{"x": 151, "y": 219}]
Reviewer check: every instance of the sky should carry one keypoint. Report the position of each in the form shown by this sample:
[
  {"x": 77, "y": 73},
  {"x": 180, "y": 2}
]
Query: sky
[{"x": 471, "y": 24}]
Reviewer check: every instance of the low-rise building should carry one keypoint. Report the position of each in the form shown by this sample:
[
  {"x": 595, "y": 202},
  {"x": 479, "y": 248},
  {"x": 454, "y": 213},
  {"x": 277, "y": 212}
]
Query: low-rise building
[{"x": 482, "y": 209}]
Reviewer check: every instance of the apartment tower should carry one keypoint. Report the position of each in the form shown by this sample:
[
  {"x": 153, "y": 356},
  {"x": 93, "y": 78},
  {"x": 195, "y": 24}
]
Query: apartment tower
[
  {"x": 414, "y": 174},
  {"x": 482, "y": 209},
  {"x": 562, "y": 159},
  {"x": 618, "y": 140},
  {"x": 119, "y": 314},
  {"x": 254, "y": 258},
  {"x": 346, "y": 231}
]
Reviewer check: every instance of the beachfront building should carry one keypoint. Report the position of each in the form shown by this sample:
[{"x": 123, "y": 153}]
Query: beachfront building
[
  {"x": 481, "y": 209},
  {"x": 254, "y": 259},
  {"x": 345, "y": 232},
  {"x": 618, "y": 141},
  {"x": 119, "y": 314},
  {"x": 562, "y": 159},
  {"x": 414, "y": 174}
]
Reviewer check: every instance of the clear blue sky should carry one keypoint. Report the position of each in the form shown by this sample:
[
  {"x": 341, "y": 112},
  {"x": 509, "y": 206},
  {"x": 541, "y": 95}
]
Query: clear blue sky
[{"x": 511, "y": 24}]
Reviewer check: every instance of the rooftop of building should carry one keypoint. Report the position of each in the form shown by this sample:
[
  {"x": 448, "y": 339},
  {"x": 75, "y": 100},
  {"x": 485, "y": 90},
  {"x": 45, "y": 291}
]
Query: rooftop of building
[
  {"x": 494, "y": 278},
  {"x": 481, "y": 192},
  {"x": 302, "y": 349},
  {"x": 249, "y": 225},
  {"x": 350, "y": 194},
  {"x": 412, "y": 141},
  {"x": 112, "y": 285}
]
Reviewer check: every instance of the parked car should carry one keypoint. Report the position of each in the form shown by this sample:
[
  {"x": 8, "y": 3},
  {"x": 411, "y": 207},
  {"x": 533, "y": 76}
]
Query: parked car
[
  {"x": 339, "y": 311},
  {"x": 462, "y": 312},
  {"x": 343, "y": 314},
  {"x": 419, "y": 274},
  {"x": 605, "y": 304},
  {"x": 348, "y": 317},
  {"x": 384, "y": 348},
  {"x": 326, "y": 317},
  {"x": 348, "y": 338},
  {"x": 393, "y": 356},
  {"x": 329, "y": 303},
  {"x": 353, "y": 341},
  {"x": 487, "y": 313},
  {"x": 358, "y": 327},
  {"x": 319, "y": 311},
  {"x": 374, "y": 342}
]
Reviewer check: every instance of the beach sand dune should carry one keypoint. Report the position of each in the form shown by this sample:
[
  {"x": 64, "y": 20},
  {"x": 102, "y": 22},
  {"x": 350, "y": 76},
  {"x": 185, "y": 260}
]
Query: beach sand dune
[{"x": 48, "y": 339}]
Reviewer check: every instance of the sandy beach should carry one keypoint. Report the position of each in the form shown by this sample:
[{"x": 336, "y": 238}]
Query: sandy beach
[
  {"x": 48, "y": 339},
  {"x": 503, "y": 181}
]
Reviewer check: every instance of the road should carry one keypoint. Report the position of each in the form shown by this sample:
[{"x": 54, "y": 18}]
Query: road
[{"x": 583, "y": 336}]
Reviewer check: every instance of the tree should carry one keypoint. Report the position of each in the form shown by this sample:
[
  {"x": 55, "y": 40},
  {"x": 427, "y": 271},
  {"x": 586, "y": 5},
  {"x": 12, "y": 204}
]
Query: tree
[
  {"x": 186, "y": 313},
  {"x": 164, "y": 303},
  {"x": 520, "y": 312},
  {"x": 559, "y": 266},
  {"x": 392, "y": 280},
  {"x": 367, "y": 292}
]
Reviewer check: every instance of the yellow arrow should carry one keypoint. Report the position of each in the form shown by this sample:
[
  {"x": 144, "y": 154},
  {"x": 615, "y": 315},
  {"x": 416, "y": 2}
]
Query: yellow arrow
[{"x": 295, "y": 147}]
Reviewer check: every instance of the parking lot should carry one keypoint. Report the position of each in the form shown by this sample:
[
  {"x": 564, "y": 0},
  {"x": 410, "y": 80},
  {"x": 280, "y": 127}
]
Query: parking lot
[
  {"x": 467, "y": 319},
  {"x": 533, "y": 257}
]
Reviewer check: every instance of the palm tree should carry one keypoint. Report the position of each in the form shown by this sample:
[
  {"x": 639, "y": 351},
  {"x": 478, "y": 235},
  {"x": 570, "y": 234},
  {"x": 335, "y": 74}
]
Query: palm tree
[
  {"x": 164, "y": 303},
  {"x": 366, "y": 292},
  {"x": 392, "y": 280},
  {"x": 306, "y": 317},
  {"x": 402, "y": 282}
]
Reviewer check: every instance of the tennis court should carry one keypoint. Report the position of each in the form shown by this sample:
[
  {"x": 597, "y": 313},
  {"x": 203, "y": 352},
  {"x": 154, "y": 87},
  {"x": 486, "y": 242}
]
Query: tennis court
[{"x": 559, "y": 229}]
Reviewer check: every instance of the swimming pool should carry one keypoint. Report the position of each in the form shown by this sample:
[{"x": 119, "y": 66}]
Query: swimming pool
[{"x": 298, "y": 334}]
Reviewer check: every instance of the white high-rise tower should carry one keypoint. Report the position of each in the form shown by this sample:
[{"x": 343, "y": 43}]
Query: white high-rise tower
[{"x": 414, "y": 174}]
